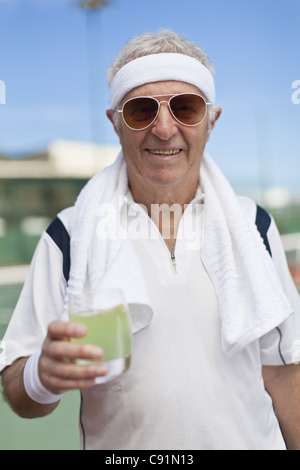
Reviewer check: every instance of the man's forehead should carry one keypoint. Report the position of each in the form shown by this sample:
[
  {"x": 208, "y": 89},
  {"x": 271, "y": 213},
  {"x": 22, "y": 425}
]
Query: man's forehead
[
  {"x": 161, "y": 69},
  {"x": 166, "y": 88}
]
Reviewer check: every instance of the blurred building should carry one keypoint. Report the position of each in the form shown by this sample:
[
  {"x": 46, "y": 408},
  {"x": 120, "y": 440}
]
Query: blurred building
[
  {"x": 63, "y": 159},
  {"x": 35, "y": 188}
]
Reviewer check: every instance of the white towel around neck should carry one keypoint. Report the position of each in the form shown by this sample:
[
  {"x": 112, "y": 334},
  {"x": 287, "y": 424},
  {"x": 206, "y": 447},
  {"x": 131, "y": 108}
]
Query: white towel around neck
[
  {"x": 250, "y": 294},
  {"x": 102, "y": 255},
  {"x": 251, "y": 299}
]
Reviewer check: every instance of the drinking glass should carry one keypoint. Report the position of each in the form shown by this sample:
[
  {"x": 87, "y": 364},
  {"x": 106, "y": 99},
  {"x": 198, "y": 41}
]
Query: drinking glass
[{"x": 105, "y": 314}]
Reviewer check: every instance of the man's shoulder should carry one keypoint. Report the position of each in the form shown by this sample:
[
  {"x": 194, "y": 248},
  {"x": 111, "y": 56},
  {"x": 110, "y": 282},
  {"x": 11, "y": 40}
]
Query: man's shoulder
[
  {"x": 260, "y": 217},
  {"x": 58, "y": 231},
  {"x": 65, "y": 216},
  {"x": 249, "y": 206}
]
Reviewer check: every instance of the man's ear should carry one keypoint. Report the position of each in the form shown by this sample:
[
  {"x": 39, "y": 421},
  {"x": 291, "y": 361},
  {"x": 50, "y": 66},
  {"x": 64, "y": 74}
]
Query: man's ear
[
  {"x": 218, "y": 112},
  {"x": 110, "y": 114}
]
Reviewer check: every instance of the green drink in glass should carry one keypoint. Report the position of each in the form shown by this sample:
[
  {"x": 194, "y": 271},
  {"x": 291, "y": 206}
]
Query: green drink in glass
[{"x": 106, "y": 316}]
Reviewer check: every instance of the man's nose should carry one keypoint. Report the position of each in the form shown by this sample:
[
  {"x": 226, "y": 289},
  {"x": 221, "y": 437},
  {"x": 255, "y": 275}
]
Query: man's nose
[{"x": 164, "y": 126}]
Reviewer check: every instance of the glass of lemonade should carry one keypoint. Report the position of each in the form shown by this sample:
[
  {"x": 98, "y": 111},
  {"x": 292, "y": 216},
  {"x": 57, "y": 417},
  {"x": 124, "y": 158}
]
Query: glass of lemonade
[{"x": 106, "y": 316}]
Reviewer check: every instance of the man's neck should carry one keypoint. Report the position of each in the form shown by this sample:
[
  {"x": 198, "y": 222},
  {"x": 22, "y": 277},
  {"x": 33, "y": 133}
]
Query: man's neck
[
  {"x": 165, "y": 206},
  {"x": 146, "y": 193}
]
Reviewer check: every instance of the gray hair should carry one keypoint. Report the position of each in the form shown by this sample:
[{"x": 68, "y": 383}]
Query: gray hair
[{"x": 165, "y": 41}]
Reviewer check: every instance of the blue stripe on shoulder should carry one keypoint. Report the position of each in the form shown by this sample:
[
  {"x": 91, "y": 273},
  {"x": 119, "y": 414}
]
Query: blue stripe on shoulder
[
  {"x": 263, "y": 222},
  {"x": 61, "y": 238}
]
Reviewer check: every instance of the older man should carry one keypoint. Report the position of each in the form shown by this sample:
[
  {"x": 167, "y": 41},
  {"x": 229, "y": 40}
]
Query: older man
[{"x": 215, "y": 312}]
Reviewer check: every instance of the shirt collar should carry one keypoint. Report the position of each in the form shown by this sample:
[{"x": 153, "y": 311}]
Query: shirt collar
[{"x": 199, "y": 197}]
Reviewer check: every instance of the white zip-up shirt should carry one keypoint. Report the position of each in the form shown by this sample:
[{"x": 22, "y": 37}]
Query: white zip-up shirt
[{"x": 181, "y": 391}]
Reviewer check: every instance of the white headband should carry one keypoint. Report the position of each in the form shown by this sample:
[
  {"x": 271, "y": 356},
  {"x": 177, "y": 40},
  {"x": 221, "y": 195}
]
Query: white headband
[{"x": 161, "y": 67}]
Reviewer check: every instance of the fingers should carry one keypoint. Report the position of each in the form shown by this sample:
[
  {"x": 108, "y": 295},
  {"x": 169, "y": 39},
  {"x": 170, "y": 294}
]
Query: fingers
[
  {"x": 62, "y": 330},
  {"x": 59, "y": 377},
  {"x": 58, "y": 345},
  {"x": 58, "y": 369},
  {"x": 66, "y": 350}
]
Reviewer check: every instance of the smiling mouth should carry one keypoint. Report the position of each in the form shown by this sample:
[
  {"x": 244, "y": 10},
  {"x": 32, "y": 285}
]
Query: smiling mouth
[{"x": 164, "y": 153}]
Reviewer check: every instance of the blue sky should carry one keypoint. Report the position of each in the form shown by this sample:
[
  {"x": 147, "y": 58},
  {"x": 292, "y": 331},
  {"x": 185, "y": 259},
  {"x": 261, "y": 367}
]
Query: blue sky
[{"x": 54, "y": 59}]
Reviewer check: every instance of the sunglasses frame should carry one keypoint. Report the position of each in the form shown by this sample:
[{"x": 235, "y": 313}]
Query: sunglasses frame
[{"x": 158, "y": 109}]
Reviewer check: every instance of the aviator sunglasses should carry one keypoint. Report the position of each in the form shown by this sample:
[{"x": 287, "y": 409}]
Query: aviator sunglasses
[{"x": 139, "y": 113}]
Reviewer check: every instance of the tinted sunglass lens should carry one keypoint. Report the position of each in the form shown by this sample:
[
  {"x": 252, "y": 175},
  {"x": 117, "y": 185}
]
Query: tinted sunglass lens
[
  {"x": 188, "y": 109},
  {"x": 138, "y": 113}
]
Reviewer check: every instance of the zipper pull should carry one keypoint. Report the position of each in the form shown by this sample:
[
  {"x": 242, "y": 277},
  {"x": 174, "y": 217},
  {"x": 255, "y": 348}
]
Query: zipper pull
[{"x": 173, "y": 260}]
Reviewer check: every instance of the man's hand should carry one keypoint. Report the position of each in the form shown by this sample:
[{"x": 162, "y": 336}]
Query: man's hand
[
  {"x": 283, "y": 384},
  {"x": 58, "y": 369}
]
